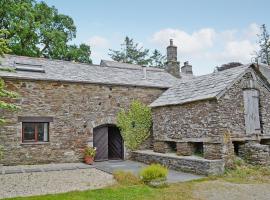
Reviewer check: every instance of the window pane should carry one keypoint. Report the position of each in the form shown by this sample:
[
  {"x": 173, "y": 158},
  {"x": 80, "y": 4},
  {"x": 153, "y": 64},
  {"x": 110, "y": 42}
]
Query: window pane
[
  {"x": 29, "y": 131},
  {"x": 46, "y": 132},
  {"x": 40, "y": 128},
  {"x": 42, "y": 132}
]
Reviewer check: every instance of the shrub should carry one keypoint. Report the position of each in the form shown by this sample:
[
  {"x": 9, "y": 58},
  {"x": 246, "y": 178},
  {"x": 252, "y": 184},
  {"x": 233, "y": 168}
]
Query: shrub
[
  {"x": 126, "y": 178},
  {"x": 135, "y": 124},
  {"x": 153, "y": 172},
  {"x": 90, "y": 151}
]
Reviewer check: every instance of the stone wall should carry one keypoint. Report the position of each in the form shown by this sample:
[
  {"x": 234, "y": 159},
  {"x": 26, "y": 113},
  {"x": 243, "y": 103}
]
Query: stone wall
[
  {"x": 255, "y": 153},
  {"x": 231, "y": 109},
  {"x": 183, "y": 163},
  {"x": 264, "y": 109},
  {"x": 194, "y": 120},
  {"x": 76, "y": 109}
]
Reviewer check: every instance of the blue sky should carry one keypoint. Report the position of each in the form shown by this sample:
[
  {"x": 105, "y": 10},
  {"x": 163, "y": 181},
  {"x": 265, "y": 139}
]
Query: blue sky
[{"x": 208, "y": 33}]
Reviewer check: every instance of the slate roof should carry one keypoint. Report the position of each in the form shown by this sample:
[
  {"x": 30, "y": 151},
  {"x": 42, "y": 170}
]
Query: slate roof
[
  {"x": 265, "y": 70},
  {"x": 200, "y": 87},
  {"x": 107, "y": 73}
]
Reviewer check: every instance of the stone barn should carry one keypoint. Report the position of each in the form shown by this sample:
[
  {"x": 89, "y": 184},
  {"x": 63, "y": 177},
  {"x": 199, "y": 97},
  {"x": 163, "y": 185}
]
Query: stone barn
[
  {"x": 216, "y": 115},
  {"x": 67, "y": 105}
]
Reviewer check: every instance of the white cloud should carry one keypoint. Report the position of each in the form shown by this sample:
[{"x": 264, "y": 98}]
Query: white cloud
[
  {"x": 189, "y": 43},
  {"x": 99, "y": 47},
  {"x": 98, "y": 42},
  {"x": 252, "y": 31},
  {"x": 208, "y": 46},
  {"x": 241, "y": 51}
]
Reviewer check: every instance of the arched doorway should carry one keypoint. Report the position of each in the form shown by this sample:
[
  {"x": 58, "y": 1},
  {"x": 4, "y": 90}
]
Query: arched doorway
[{"x": 109, "y": 143}]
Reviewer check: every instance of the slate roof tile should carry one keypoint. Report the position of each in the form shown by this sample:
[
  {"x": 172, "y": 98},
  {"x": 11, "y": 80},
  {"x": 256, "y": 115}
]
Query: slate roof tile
[
  {"x": 108, "y": 72},
  {"x": 199, "y": 88}
]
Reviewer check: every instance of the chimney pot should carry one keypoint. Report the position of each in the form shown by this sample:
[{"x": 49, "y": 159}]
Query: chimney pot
[
  {"x": 187, "y": 69},
  {"x": 171, "y": 42}
]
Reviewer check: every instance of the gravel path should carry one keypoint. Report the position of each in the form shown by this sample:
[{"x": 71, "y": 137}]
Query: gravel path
[
  {"x": 51, "y": 182},
  {"x": 220, "y": 190}
]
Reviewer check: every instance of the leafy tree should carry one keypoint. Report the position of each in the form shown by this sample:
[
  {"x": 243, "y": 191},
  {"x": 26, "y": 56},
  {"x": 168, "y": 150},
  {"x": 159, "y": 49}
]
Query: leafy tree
[
  {"x": 264, "y": 42},
  {"x": 37, "y": 29},
  {"x": 228, "y": 66},
  {"x": 78, "y": 53},
  {"x": 131, "y": 53},
  {"x": 5, "y": 95},
  {"x": 135, "y": 124},
  {"x": 3, "y": 43},
  {"x": 157, "y": 59}
]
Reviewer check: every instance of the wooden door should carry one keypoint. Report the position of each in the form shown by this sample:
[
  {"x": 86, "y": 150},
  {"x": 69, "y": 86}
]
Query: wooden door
[
  {"x": 251, "y": 106},
  {"x": 115, "y": 144},
  {"x": 101, "y": 143}
]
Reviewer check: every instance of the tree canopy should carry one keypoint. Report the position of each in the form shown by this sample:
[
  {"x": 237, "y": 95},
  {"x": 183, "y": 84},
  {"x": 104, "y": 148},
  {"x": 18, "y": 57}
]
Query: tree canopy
[
  {"x": 132, "y": 53},
  {"x": 5, "y": 95},
  {"x": 228, "y": 66},
  {"x": 39, "y": 30},
  {"x": 264, "y": 42}
]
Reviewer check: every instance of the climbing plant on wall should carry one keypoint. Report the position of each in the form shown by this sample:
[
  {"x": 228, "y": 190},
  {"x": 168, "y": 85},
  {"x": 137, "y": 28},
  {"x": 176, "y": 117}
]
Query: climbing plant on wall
[{"x": 135, "y": 124}]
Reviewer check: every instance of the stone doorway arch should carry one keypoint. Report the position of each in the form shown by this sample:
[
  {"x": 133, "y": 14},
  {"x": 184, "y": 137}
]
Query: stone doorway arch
[{"x": 109, "y": 143}]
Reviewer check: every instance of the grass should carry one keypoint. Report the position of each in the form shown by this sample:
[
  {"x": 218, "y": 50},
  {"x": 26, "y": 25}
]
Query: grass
[
  {"x": 138, "y": 192},
  {"x": 130, "y": 187},
  {"x": 126, "y": 178},
  {"x": 247, "y": 174}
]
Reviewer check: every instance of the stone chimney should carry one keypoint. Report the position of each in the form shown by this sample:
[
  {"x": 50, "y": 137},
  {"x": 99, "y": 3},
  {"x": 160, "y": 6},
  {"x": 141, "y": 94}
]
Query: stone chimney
[
  {"x": 172, "y": 66},
  {"x": 187, "y": 69}
]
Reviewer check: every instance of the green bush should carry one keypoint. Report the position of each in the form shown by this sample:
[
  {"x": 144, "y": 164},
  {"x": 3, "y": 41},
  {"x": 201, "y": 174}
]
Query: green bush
[
  {"x": 153, "y": 172},
  {"x": 126, "y": 178},
  {"x": 135, "y": 124}
]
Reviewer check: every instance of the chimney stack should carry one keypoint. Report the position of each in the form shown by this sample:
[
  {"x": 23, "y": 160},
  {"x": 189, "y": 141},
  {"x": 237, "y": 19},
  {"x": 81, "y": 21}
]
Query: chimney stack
[
  {"x": 172, "y": 66},
  {"x": 187, "y": 69}
]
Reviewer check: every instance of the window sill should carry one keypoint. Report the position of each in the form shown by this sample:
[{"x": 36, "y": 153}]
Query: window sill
[{"x": 34, "y": 143}]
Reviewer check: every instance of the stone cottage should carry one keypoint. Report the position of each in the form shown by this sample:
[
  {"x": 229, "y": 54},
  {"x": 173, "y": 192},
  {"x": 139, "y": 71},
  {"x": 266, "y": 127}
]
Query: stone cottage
[
  {"x": 67, "y": 105},
  {"x": 216, "y": 115}
]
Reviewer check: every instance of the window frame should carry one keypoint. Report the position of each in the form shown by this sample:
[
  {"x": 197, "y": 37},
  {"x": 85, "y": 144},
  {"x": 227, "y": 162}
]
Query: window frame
[
  {"x": 36, "y": 120},
  {"x": 35, "y": 133}
]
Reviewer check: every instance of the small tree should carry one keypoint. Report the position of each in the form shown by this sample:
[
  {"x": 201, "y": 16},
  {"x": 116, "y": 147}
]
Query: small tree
[
  {"x": 135, "y": 124},
  {"x": 264, "y": 42},
  {"x": 157, "y": 59},
  {"x": 131, "y": 53}
]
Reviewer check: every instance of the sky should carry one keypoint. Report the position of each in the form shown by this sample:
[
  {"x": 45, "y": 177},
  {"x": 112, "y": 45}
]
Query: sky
[{"x": 208, "y": 33}]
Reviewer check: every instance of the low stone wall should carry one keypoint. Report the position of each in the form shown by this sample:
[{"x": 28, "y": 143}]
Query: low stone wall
[
  {"x": 255, "y": 153},
  {"x": 183, "y": 163}
]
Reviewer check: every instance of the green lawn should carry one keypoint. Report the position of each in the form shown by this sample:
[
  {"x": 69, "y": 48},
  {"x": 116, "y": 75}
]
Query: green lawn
[
  {"x": 130, "y": 188},
  {"x": 137, "y": 192}
]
